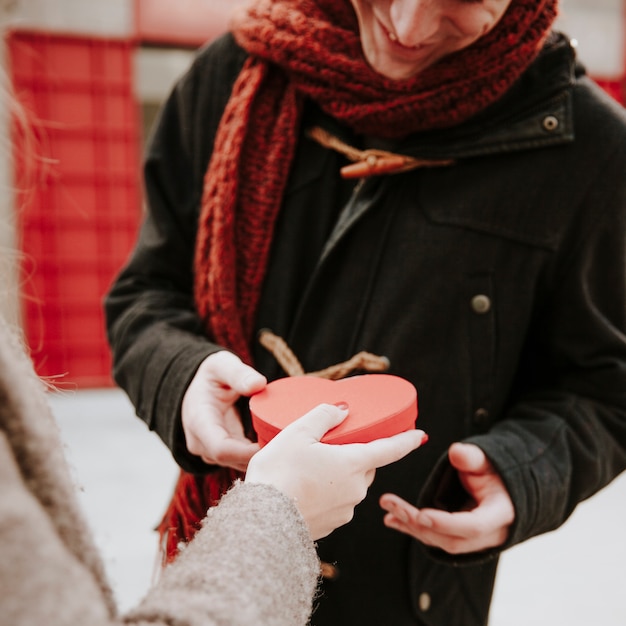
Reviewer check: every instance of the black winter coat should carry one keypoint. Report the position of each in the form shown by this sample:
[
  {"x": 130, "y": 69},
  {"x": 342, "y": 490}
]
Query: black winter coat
[{"x": 496, "y": 285}]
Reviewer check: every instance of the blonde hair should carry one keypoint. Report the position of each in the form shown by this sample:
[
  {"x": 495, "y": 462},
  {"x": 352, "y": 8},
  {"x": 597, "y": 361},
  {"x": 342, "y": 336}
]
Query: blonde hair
[{"x": 18, "y": 144}]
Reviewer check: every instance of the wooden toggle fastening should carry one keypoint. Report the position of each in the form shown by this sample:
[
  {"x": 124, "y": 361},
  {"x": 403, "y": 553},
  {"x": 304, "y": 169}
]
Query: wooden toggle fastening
[
  {"x": 371, "y": 162},
  {"x": 373, "y": 165}
]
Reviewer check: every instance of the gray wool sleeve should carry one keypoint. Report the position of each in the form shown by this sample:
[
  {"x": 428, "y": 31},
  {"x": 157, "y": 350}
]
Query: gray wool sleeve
[{"x": 253, "y": 562}]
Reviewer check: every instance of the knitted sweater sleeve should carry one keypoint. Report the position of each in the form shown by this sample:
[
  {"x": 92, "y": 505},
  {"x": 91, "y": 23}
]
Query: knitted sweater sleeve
[
  {"x": 252, "y": 563},
  {"x": 42, "y": 580}
]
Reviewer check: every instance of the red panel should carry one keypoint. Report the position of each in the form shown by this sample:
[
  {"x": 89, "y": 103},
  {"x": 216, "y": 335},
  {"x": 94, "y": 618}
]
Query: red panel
[
  {"x": 615, "y": 88},
  {"x": 183, "y": 22},
  {"x": 81, "y": 203}
]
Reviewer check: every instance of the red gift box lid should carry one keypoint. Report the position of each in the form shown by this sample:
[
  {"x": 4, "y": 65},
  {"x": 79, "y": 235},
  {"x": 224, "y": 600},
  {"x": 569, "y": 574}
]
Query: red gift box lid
[{"x": 381, "y": 405}]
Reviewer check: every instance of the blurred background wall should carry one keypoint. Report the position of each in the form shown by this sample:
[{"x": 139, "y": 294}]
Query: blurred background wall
[{"x": 91, "y": 75}]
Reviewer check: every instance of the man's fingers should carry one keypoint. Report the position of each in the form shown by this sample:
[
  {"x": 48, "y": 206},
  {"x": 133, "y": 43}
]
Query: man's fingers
[
  {"x": 453, "y": 532},
  {"x": 216, "y": 446},
  {"x": 232, "y": 453},
  {"x": 483, "y": 521},
  {"x": 234, "y": 373},
  {"x": 461, "y": 532},
  {"x": 467, "y": 457},
  {"x": 461, "y": 524}
]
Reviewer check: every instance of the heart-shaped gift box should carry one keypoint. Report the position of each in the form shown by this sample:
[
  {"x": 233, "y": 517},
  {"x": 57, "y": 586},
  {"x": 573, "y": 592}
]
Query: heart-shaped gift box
[{"x": 380, "y": 405}]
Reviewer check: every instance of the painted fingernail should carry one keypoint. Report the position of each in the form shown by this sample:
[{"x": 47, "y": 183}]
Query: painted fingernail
[
  {"x": 425, "y": 439},
  {"x": 342, "y": 405}
]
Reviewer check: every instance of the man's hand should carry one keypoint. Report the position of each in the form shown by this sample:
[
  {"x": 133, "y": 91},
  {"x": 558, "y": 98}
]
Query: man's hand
[
  {"x": 483, "y": 524},
  {"x": 211, "y": 423}
]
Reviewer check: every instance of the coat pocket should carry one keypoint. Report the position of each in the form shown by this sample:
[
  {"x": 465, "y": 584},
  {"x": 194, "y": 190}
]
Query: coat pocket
[{"x": 454, "y": 595}]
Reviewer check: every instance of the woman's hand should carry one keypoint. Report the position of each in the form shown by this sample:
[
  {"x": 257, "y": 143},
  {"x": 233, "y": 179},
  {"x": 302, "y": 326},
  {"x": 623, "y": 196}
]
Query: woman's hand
[
  {"x": 211, "y": 423},
  {"x": 326, "y": 480},
  {"x": 484, "y": 524}
]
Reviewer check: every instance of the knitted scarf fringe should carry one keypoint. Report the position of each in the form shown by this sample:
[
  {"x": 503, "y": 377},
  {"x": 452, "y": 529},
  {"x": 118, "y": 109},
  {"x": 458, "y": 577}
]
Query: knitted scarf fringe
[{"x": 193, "y": 496}]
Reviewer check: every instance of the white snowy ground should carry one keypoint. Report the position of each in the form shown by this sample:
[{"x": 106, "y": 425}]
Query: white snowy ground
[{"x": 574, "y": 576}]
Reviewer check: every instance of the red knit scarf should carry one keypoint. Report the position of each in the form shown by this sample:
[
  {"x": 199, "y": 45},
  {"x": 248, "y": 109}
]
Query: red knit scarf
[{"x": 311, "y": 49}]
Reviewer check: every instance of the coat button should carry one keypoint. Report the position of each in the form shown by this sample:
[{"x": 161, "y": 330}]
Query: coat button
[
  {"x": 481, "y": 417},
  {"x": 481, "y": 304},
  {"x": 424, "y": 602},
  {"x": 550, "y": 123}
]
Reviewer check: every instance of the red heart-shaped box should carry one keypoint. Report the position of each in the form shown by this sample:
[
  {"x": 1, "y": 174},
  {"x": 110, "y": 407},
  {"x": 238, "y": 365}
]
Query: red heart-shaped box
[{"x": 381, "y": 405}]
